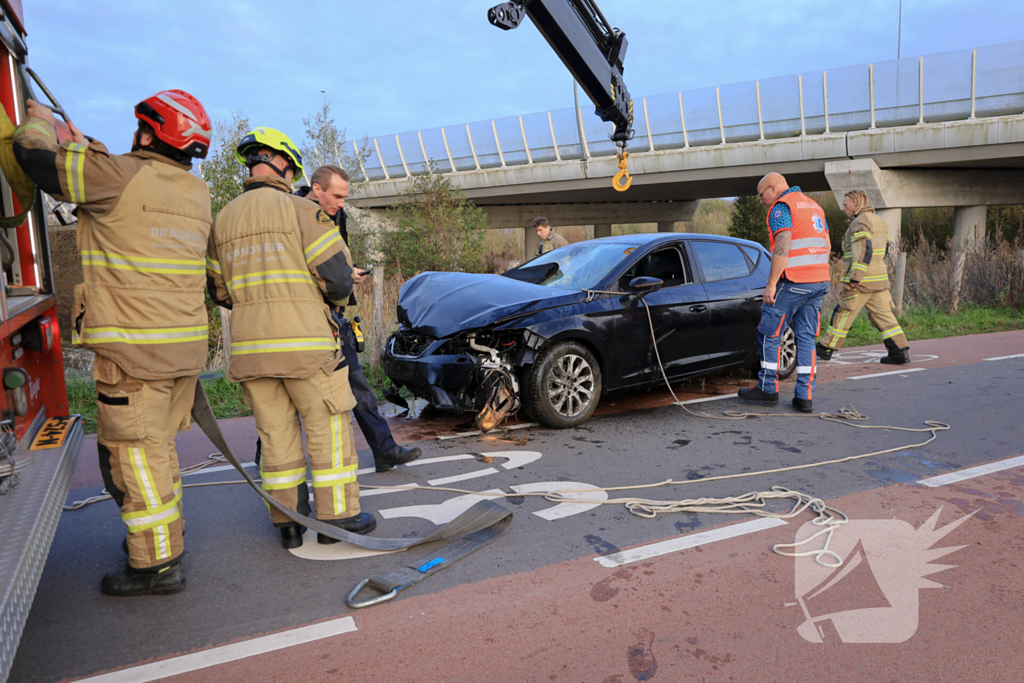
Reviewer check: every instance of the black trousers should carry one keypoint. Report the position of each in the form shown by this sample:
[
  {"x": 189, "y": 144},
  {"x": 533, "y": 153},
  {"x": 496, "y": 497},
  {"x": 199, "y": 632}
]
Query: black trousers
[{"x": 375, "y": 428}]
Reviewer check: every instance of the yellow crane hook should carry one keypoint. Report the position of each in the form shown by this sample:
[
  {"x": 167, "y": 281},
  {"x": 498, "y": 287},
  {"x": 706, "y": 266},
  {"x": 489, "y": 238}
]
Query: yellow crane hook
[{"x": 622, "y": 179}]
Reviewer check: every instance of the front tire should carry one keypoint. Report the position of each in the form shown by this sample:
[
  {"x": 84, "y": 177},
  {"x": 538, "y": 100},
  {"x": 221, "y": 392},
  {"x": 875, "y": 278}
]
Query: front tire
[{"x": 564, "y": 386}]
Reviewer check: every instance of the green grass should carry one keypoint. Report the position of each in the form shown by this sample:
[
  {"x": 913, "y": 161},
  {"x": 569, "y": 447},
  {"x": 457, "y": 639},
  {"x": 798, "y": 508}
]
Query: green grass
[
  {"x": 82, "y": 400},
  {"x": 924, "y": 323},
  {"x": 226, "y": 399},
  {"x": 378, "y": 382}
]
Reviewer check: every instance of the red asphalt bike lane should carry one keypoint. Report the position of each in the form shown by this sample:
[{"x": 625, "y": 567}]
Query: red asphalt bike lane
[
  {"x": 712, "y": 613},
  {"x": 193, "y": 446}
]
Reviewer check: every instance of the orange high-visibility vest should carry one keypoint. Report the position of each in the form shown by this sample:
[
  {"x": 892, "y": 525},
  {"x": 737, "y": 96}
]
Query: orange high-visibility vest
[{"x": 809, "y": 248}]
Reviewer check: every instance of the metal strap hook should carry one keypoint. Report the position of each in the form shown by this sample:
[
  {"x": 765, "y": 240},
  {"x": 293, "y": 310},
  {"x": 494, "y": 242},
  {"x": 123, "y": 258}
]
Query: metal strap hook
[{"x": 622, "y": 179}]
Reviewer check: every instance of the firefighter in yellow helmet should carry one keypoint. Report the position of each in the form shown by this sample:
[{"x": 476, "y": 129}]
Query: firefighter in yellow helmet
[
  {"x": 143, "y": 224},
  {"x": 278, "y": 262}
]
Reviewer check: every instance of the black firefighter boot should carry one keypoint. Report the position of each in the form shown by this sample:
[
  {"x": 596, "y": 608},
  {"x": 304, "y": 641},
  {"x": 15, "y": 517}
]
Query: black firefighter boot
[
  {"x": 823, "y": 352},
  {"x": 755, "y": 395},
  {"x": 130, "y": 581},
  {"x": 897, "y": 356},
  {"x": 399, "y": 455},
  {"x": 361, "y": 524}
]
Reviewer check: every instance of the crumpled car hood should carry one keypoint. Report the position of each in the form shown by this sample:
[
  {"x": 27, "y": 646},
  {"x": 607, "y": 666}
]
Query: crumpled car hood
[{"x": 441, "y": 304}]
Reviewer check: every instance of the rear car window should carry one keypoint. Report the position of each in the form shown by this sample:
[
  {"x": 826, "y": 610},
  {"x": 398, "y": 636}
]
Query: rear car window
[{"x": 720, "y": 260}]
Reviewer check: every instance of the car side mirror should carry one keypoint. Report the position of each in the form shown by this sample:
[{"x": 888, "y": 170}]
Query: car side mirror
[{"x": 639, "y": 287}]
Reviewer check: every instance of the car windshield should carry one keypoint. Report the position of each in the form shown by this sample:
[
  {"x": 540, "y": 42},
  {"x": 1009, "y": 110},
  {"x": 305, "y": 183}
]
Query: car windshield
[{"x": 579, "y": 266}]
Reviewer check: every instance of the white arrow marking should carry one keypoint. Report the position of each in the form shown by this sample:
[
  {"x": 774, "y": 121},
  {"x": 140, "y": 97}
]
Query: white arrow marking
[
  {"x": 442, "y": 513},
  {"x": 564, "y": 509}
]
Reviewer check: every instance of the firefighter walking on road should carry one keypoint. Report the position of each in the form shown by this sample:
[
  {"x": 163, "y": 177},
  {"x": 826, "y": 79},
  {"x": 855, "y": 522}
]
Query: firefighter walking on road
[
  {"x": 865, "y": 283},
  {"x": 143, "y": 225},
  {"x": 278, "y": 262}
]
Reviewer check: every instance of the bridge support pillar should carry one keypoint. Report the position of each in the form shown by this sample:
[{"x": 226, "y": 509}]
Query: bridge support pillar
[
  {"x": 602, "y": 230},
  {"x": 666, "y": 226},
  {"x": 531, "y": 241},
  {"x": 969, "y": 226},
  {"x": 893, "y": 219}
]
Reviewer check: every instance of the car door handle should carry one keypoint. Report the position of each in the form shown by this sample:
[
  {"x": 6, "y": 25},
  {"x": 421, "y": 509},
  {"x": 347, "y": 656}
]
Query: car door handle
[
  {"x": 759, "y": 297},
  {"x": 699, "y": 308}
]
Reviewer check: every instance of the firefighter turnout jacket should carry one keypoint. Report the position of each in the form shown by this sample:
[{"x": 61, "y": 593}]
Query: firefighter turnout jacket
[
  {"x": 143, "y": 224},
  {"x": 809, "y": 245},
  {"x": 278, "y": 262},
  {"x": 864, "y": 248}
]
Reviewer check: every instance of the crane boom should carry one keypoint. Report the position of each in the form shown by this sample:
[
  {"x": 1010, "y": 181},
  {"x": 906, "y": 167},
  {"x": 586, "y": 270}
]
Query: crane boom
[{"x": 588, "y": 46}]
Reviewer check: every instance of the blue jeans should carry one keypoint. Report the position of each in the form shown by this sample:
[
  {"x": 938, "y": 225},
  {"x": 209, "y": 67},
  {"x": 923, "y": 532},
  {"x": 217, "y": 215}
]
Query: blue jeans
[{"x": 797, "y": 305}]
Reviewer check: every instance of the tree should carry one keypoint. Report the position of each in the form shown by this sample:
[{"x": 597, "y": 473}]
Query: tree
[
  {"x": 221, "y": 169},
  {"x": 748, "y": 220},
  {"x": 325, "y": 143},
  {"x": 437, "y": 228}
]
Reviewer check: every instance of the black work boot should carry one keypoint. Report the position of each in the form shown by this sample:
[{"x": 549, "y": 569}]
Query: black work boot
[
  {"x": 802, "y": 404},
  {"x": 130, "y": 581},
  {"x": 291, "y": 535},
  {"x": 897, "y": 357},
  {"x": 824, "y": 352},
  {"x": 361, "y": 524},
  {"x": 399, "y": 455},
  {"x": 755, "y": 395}
]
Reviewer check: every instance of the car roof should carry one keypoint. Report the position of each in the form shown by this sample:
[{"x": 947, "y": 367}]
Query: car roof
[{"x": 646, "y": 238}]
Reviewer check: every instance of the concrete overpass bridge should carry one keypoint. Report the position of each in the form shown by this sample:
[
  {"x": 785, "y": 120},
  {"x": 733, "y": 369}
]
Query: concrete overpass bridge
[{"x": 938, "y": 130}]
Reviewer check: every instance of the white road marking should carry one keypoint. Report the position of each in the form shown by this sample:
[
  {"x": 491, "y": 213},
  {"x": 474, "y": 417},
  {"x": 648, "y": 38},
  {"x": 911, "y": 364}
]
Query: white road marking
[
  {"x": 477, "y": 432},
  {"x": 1016, "y": 355},
  {"x": 219, "y": 468},
  {"x": 708, "y": 398},
  {"x": 442, "y": 513},
  {"x": 564, "y": 509},
  {"x": 972, "y": 472},
  {"x": 227, "y": 653},
  {"x": 462, "y": 477},
  {"x": 515, "y": 459},
  {"x": 688, "y": 541},
  {"x": 366, "y": 493},
  {"x": 886, "y": 374}
]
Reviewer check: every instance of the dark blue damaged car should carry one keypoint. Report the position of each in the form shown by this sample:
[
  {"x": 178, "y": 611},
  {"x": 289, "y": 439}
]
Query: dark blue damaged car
[{"x": 557, "y": 333}]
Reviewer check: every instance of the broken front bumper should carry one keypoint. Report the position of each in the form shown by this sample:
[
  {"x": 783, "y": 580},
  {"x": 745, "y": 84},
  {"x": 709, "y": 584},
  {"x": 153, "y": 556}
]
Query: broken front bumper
[{"x": 444, "y": 380}]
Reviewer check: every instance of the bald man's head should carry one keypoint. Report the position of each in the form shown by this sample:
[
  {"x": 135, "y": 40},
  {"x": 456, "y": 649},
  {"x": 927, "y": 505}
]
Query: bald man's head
[{"x": 771, "y": 188}]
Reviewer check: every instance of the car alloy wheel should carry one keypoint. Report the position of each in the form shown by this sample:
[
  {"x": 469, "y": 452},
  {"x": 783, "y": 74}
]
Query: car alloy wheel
[
  {"x": 563, "y": 387},
  {"x": 787, "y": 354},
  {"x": 570, "y": 386}
]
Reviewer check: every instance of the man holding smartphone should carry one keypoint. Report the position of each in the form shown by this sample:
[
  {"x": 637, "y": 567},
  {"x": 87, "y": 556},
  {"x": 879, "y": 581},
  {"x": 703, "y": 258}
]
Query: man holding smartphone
[{"x": 329, "y": 187}]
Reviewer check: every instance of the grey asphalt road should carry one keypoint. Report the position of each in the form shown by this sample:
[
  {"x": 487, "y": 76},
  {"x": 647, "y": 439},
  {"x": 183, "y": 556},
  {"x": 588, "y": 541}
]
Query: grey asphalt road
[{"x": 243, "y": 584}]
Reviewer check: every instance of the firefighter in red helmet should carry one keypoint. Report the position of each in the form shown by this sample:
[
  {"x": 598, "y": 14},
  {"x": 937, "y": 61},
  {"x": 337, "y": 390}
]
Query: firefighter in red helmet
[{"x": 143, "y": 224}]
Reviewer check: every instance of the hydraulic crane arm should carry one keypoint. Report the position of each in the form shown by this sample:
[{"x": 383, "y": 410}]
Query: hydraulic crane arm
[{"x": 588, "y": 46}]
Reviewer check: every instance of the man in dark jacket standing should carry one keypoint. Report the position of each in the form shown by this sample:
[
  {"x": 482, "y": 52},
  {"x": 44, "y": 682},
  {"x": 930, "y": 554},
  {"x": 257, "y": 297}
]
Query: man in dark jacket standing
[{"x": 329, "y": 187}]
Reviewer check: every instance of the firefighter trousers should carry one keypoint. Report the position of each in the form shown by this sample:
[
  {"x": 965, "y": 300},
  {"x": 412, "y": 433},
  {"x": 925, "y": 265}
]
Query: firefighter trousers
[
  {"x": 321, "y": 406},
  {"x": 881, "y": 313},
  {"x": 137, "y": 421}
]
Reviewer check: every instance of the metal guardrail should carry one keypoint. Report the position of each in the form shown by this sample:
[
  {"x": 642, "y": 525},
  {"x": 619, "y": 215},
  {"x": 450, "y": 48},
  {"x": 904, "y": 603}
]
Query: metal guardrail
[{"x": 948, "y": 86}]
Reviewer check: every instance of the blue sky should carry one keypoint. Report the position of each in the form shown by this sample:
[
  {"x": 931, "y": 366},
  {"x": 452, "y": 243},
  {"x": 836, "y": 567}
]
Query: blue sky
[{"x": 397, "y": 65}]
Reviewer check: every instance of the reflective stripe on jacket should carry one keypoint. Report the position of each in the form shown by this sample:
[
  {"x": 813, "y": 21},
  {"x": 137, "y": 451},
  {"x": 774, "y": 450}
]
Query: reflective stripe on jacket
[
  {"x": 278, "y": 262},
  {"x": 864, "y": 247},
  {"x": 809, "y": 245},
  {"x": 143, "y": 224}
]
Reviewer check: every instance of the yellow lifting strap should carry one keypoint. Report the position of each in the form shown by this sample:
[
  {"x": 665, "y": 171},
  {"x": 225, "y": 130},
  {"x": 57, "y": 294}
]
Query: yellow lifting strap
[
  {"x": 622, "y": 179},
  {"x": 23, "y": 188}
]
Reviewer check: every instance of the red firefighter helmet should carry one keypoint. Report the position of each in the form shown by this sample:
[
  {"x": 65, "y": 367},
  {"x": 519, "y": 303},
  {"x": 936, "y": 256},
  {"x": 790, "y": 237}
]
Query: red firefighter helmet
[{"x": 179, "y": 120}]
